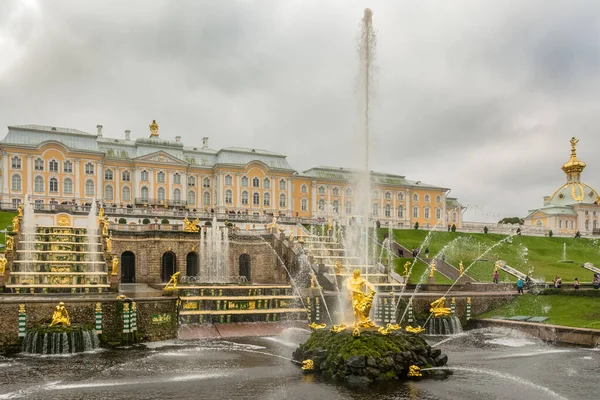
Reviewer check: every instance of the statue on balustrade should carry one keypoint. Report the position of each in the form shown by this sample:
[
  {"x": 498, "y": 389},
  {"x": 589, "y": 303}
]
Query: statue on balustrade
[
  {"x": 3, "y": 262},
  {"x": 115, "y": 266},
  {"x": 9, "y": 243},
  {"x": 190, "y": 226},
  {"x": 15, "y": 223}
]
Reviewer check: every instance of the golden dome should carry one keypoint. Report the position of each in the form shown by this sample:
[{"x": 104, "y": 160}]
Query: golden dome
[{"x": 574, "y": 165}]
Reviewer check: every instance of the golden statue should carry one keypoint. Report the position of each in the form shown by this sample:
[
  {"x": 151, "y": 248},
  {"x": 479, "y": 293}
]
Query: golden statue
[
  {"x": 433, "y": 269},
  {"x": 101, "y": 213},
  {"x": 389, "y": 328},
  {"x": 338, "y": 328},
  {"x": 329, "y": 225},
  {"x": 361, "y": 302},
  {"x": 413, "y": 370},
  {"x": 308, "y": 365},
  {"x": 153, "y": 128},
  {"x": 9, "y": 243},
  {"x": 105, "y": 227},
  {"x": 190, "y": 226},
  {"x": 3, "y": 262},
  {"x": 60, "y": 316},
  {"x": 173, "y": 280},
  {"x": 115, "y": 266},
  {"x": 108, "y": 244},
  {"x": 315, "y": 327},
  {"x": 20, "y": 210},
  {"x": 417, "y": 330},
  {"x": 438, "y": 309},
  {"x": 495, "y": 268},
  {"x": 406, "y": 265},
  {"x": 15, "y": 222},
  {"x": 339, "y": 268},
  {"x": 461, "y": 269}
]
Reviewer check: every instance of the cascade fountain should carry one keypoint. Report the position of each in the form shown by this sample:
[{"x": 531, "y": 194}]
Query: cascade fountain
[
  {"x": 28, "y": 233},
  {"x": 214, "y": 254}
]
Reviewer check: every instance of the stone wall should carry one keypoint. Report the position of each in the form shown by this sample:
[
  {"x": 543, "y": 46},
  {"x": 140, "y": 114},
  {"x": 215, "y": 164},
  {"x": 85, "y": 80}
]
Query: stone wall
[
  {"x": 82, "y": 312},
  {"x": 265, "y": 268}
]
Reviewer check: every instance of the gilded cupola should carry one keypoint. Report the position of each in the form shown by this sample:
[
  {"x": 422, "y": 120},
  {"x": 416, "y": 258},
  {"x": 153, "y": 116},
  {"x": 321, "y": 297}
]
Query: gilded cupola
[{"x": 574, "y": 166}]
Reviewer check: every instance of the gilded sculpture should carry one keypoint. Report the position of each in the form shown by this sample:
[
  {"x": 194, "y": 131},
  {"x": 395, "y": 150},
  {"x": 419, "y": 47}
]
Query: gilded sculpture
[
  {"x": 3, "y": 262},
  {"x": 315, "y": 327},
  {"x": 115, "y": 266},
  {"x": 461, "y": 269},
  {"x": 153, "y": 128},
  {"x": 361, "y": 301},
  {"x": 20, "y": 210},
  {"x": 433, "y": 269},
  {"x": 417, "y": 330},
  {"x": 308, "y": 365},
  {"x": 9, "y": 243},
  {"x": 190, "y": 226},
  {"x": 337, "y": 328},
  {"x": 109, "y": 244},
  {"x": 413, "y": 370},
  {"x": 339, "y": 267},
  {"x": 406, "y": 265},
  {"x": 173, "y": 280},
  {"x": 15, "y": 223},
  {"x": 61, "y": 316},
  {"x": 438, "y": 309}
]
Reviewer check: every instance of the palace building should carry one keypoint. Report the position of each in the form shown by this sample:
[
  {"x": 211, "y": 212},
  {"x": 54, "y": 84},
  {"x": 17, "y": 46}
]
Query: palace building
[
  {"x": 573, "y": 207},
  {"x": 67, "y": 166}
]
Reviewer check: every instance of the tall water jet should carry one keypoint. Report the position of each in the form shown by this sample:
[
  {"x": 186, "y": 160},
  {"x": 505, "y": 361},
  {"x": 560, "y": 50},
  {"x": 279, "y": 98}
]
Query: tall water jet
[
  {"x": 91, "y": 233},
  {"x": 214, "y": 254},
  {"x": 28, "y": 235}
]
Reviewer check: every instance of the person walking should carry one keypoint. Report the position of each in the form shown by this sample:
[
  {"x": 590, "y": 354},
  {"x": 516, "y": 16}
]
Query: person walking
[
  {"x": 520, "y": 284},
  {"x": 427, "y": 252},
  {"x": 576, "y": 284},
  {"x": 400, "y": 252},
  {"x": 495, "y": 278}
]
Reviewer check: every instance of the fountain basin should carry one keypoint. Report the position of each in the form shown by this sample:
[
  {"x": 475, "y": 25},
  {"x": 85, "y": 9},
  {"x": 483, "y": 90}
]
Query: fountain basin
[
  {"x": 60, "y": 340},
  {"x": 369, "y": 357}
]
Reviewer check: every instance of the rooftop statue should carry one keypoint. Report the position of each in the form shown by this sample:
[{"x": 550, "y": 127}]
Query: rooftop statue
[
  {"x": 61, "y": 316},
  {"x": 361, "y": 301},
  {"x": 153, "y": 128},
  {"x": 461, "y": 269},
  {"x": 438, "y": 309}
]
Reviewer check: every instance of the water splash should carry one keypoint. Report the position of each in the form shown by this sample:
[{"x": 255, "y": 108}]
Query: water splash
[{"x": 214, "y": 254}]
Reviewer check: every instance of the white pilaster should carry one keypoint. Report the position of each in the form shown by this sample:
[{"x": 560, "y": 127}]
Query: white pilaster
[
  {"x": 99, "y": 179},
  {"x": 76, "y": 183},
  {"x": 117, "y": 188},
  {"x": 29, "y": 174}
]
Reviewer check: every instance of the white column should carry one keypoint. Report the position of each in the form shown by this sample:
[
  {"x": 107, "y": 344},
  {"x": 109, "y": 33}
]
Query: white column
[
  {"x": 407, "y": 210},
  {"x": 29, "y": 174},
  {"x": 152, "y": 195},
  {"x": 100, "y": 188},
  {"x": 290, "y": 200},
  {"x": 444, "y": 210},
  {"x": 76, "y": 184},
  {"x": 184, "y": 191},
  {"x": 238, "y": 182},
  {"x": 117, "y": 189}
]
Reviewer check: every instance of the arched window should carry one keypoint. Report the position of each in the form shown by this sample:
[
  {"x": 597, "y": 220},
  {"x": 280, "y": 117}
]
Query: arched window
[
  {"x": 191, "y": 261},
  {"x": 177, "y": 195},
  {"x": 539, "y": 222},
  {"x": 587, "y": 225},
  {"x": 244, "y": 181},
  {"x": 228, "y": 197},
  {"x": 53, "y": 166},
  {"x": 336, "y": 191},
  {"x": 415, "y": 212},
  {"x": 282, "y": 202},
  {"x": 108, "y": 175},
  {"x": 400, "y": 196},
  {"x": 282, "y": 186},
  {"x": 336, "y": 206},
  {"x": 267, "y": 183},
  {"x": 191, "y": 198},
  {"x": 89, "y": 188},
  {"x": 321, "y": 189},
  {"x": 426, "y": 198},
  {"x": 144, "y": 176},
  {"x": 89, "y": 169},
  {"x": 126, "y": 176},
  {"x": 160, "y": 177},
  {"x": 304, "y": 204},
  {"x": 145, "y": 193},
  {"x": 206, "y": 182},
  {"x": 38, "y": 165},
  {"x": 108, "y": 192},
  {"x": 348, "y": 207},
  {"x": 177, "y": 178},
  {"x": 126, "y": 196},
  {"x": 255, "y": 182},
  {"x": 191, "y": 181},
  {"x": 349, "y": 192},
  {"x": 228, "y": 180},
  {"x": 15, "y": 163},
  {"x": 256, "y": 199},
  {"x": 376, "y": 210},
  {"x": 426, "y": 213},
  {"x": 388, "y": 195},
  {"x": 438, "y": 199},
  {"x": 560, "y": 224},
  {"x": 161, "y": 195},
  {"x": 304, "y": 189},
  {"x": 16, "y": 182},
  {"x": 267, "y": 200},
  {"x": 438, "y": 213},
  {"x": 415, "y": 197},
  {"x": 38, "y": 184},
  {"x": 400, "y": 212},
  {"x": 68, "y": 186},
  {"x": 68, "y": 167},
  {"x": 206, "y": 199},
  {"x": 321, "y": 205},
  {"x": 244, "y": 197},
  {"x": 388, "y": 210},
  {"x": 376, "y": 194}
]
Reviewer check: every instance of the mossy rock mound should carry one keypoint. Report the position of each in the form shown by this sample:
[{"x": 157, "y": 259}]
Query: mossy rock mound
[{"x": 369, "y": 357}]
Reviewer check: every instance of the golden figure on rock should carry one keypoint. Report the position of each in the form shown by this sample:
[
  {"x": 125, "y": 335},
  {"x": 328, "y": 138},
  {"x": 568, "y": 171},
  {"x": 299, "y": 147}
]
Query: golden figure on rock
[
  {"x": 9, "y": 243},
  {"x": 406, "y": 265},
  {"x": 438, "y": 309},
  {"x": 173, "y": 280},
  {"x": 315, "y": 327},
  {"x": 417, "y": 330},
  {"x": 361, "y": 302},
  {"x": 433, "y": 269},
  {"x": 413, "y": 370},
  {"x": 3, "y": 262},
  {"x": 338, "y": 328},
  {"x": 115, "y": 266},
  {"x": 61, "y": 316},
  {"x": 308, "y": 365},
  {"x": 15, "y": 223}
]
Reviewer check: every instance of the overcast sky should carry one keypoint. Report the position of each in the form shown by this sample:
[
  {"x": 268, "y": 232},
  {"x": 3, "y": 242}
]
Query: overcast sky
[{"x": 478, "y": 96}]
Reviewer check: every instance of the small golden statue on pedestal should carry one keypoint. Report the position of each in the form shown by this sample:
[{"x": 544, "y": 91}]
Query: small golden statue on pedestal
[
  {"x": 61, "y": 316},
  {"x": 115, "y": 266},
  {"x": 461, "y": 269},
  {"x": 413, "y": 370},
  {"x": 173, "y": 280},
  {"x": 9, "y": 243},
  {"x": 190, "y": 226},
  {"x": 20, "y": 210},
  {"x": 15, "y": 223},
  {"x": 308, "y": 365},
  {"x": 433, "y": 269},
  {"x": 3, "y": 262},
  {"x": 361, "y": 302},
  {"x": 108, "y": 244},
  {"x": 438, "y": 309},
  {"x": 339, "y": 268}
]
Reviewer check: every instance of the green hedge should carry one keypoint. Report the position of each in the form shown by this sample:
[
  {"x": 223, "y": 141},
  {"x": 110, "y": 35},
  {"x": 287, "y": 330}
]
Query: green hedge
[{"x": 569, "y": 292}]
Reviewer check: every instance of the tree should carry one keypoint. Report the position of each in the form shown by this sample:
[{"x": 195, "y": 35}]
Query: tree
[
  {"x": 485, "y": 229},
  {"x": 164, "y": 221},
  {"x": 416, "y": 225},
  {"x": 145, "y": 221},
  {"x": 453, "y": 229},
  {"x": 122, "y": 221},
  {"x": 550, "y": 233},
  {"x": 512, "y": 220}
]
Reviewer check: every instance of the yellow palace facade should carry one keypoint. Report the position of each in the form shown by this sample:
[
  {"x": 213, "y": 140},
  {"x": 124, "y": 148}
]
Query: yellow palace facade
[{"x": 59, "y": 165}]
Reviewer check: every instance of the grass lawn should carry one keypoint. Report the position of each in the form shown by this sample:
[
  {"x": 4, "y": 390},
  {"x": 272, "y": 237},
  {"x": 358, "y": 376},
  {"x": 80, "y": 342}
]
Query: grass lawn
[
  {"x": 418, "y": 272},
  {"x": 536, "y": 256},
  {"x": 5, "y": 222},
  {"x": 582, "y": 312}
]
